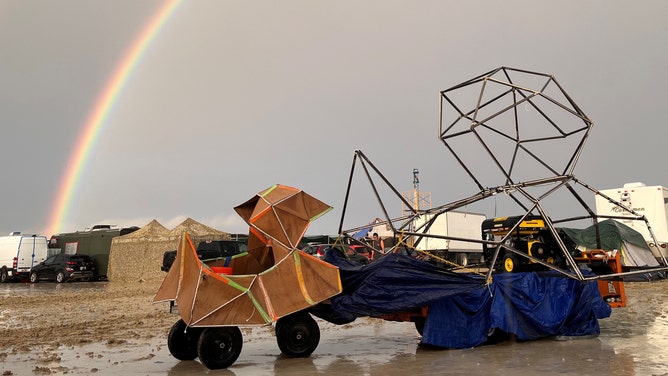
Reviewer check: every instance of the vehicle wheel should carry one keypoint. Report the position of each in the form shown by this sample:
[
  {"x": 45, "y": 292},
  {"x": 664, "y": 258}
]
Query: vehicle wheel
[
  {"x": 4, "y": 276},
  {"x": 419, "y": 324},
  {"x": 60, "y": 276},
  {"x": 496, "y": 335},
  {"x": 462, "y": 259},
  {"x": 297, "y": 335},
  {"x": 510, "y": 263},
  {"x": 219, "y": 347},
  {"x": 182, "y": 341},
  {"x": 33, "y": 277}
]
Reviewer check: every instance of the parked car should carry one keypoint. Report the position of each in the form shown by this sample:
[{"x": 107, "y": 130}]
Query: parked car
[
  {"x": 315, "y": 250},
  {"x": 62, "y": 268},
  {"x": 208, "y": 250}
]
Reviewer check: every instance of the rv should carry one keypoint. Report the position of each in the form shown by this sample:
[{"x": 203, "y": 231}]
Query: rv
[
  {"x": 19, "y": 253},
  {"x": 94, "y": 242},
  {"x": 650, "y": 201},
  {"x": 454, "y": 224}
]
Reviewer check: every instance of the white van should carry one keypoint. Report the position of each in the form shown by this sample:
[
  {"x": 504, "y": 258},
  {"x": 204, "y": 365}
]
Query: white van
[{"x": 18, "y": 254}]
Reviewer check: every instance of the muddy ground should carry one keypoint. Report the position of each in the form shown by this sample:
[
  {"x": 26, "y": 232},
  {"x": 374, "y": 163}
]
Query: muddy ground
[{"x": 114, "y": 328}]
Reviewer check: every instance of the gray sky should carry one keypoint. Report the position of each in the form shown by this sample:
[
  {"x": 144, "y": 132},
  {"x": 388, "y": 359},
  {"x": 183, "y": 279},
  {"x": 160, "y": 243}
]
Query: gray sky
[{"x": 234, "y": 96}]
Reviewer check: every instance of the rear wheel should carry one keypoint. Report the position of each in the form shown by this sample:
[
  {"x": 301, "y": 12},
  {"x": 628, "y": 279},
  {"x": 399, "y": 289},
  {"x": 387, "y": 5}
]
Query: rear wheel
[
  {"x": 4, "y": 276},
  {"x": 60, "y": 276},
  {"x": 182, "y": 341},
  {"x": 462, "y": 259},
  {"x": 219, "y": 347},
  {"x": 34, "y": 278},
  {"x": 297, "y": 335}
]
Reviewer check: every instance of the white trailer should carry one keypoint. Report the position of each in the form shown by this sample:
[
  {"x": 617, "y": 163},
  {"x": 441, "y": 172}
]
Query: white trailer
[
  {"x": 453, "y": 224},
  {"x": 19, "y": 253},
  {"x": 650, "y": 201}
]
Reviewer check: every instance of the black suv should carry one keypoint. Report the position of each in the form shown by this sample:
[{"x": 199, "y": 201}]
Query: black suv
[
  {"x": 208, "y": 250},
  {"x": 62, "y": 268}
]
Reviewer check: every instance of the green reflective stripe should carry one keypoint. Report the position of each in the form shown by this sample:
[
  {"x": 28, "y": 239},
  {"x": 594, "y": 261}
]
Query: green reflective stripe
[
  {"x": 259, "y": 308},
  {"x": 268, "y": 191},
  {"x": 321, "y": 214},
  {"x": 300, "y": 278},
  {"x": 257, "y": 305}
]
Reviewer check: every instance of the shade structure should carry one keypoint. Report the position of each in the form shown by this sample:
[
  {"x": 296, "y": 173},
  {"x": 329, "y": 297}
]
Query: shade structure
[{"x": 269, "y": 281}]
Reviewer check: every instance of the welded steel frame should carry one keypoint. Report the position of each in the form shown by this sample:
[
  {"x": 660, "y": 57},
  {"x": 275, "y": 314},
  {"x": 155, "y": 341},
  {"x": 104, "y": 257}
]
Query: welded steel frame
[{"x": 515, "y": 190}]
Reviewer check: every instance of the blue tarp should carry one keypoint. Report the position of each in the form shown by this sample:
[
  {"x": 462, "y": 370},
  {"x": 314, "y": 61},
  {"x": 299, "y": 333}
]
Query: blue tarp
[{"x": 462, "y": 308}]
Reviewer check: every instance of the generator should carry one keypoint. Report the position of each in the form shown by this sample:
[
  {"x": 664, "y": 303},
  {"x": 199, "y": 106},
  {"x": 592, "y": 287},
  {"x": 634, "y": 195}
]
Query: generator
[{"x": 531, "y": 236}]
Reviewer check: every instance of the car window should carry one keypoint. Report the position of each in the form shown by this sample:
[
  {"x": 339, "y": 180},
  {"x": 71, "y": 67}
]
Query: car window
[{"x": 50, "y": 260}]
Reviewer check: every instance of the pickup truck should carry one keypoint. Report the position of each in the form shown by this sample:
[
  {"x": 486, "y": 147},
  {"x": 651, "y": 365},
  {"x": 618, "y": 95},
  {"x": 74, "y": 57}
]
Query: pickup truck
[{"x": 207, "y": 250}]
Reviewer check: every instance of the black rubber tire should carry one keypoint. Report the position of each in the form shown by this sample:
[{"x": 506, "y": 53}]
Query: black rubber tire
[
  {"x": 496, "y": 335},
  {"x": 60, "y": 276},
  {"x": 510, "y": 263},
  {"x": 419, "y": 324},
  {"x": 219, "y": 347},
  {"x": 462, "y": 259},
  {"x": 182, "y": 341},
  {"x": 34, "y": 278},
  {"x": 297, "y": 334},
  {"x": 4, "y": 276}
]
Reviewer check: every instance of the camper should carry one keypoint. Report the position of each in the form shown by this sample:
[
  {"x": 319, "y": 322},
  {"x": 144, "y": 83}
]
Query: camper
[
  {"x": 19, "y": 253},
  {"x": 94, "y": 242},
  {"x": 455, "y": 224},
  {"x": 650, "y": 201}
]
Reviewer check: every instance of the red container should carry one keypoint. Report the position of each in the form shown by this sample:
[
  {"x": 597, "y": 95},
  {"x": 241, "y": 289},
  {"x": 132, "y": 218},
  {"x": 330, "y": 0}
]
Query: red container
[{"x": 226, "y": 270}]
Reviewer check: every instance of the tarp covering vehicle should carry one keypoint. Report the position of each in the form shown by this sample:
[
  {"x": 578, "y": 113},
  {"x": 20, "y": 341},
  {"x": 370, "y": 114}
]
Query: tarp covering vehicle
[{"x": 463, "y": 310}]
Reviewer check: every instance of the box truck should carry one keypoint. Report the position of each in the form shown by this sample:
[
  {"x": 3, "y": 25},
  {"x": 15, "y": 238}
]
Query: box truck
[
  {"x": 650, "y": 201},
  {"x": 455, "y": 224},
  {"x": 19, "y": 253}
]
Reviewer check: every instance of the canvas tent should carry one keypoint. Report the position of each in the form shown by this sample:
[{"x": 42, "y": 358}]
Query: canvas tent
[
  {"x": 138, "y": 256},
  {"x": 615, "y": 235}
]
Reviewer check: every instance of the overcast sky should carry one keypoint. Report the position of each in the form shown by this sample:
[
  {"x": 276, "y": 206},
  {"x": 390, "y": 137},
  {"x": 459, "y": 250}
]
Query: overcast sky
[{"x": 234, "y": 96}]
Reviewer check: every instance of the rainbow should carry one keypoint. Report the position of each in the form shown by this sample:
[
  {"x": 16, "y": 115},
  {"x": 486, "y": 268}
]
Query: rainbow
[{"x": 94, "y": 124}]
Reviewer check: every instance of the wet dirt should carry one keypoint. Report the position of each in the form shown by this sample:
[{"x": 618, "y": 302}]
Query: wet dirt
[{"x": 115, "y": 329}]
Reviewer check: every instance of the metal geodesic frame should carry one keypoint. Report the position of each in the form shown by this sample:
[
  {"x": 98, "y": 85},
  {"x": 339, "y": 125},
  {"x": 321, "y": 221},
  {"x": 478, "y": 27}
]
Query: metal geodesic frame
[{"x": 501, "y": 98}]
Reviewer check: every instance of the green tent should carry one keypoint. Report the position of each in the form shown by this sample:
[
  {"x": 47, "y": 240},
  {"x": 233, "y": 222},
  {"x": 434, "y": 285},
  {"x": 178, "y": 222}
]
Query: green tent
[{"x": 615, "y": 235}]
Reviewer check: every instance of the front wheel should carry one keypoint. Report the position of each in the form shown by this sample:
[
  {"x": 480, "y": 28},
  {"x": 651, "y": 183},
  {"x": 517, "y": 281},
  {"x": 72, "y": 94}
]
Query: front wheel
[
  {"x": 510, "y": 263},
  {"x": 219, "y": 347},
  {"x": 34, "y": 278},
  {"x": 297, "y": 335},
  {"x": 419, "y": 324},
  {"x": 182, "y": 341}
]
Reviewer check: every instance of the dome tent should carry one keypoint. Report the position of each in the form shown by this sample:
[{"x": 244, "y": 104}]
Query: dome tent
[{"x": 614, "y": 235}]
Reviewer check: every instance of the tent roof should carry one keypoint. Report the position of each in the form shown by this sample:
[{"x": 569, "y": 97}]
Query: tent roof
[
  {"x": 152, "y": 230},
  {"x": 612, "y": 233},
  {"x": 194, "y": 228}
]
